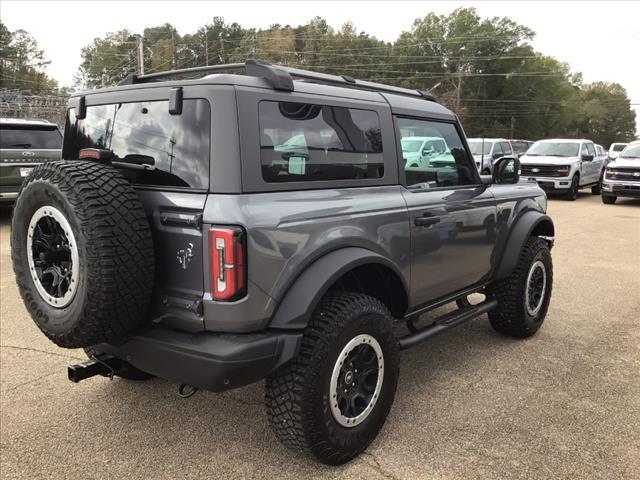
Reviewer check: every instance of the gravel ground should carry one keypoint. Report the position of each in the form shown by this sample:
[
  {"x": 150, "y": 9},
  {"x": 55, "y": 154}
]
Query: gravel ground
[{"x": 470, "y": 404}]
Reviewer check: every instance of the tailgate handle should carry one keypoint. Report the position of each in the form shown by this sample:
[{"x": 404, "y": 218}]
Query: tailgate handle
[{"x": 176, "y": 219}]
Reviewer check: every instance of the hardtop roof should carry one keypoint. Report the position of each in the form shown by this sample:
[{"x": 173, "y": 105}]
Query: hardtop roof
[{"x": 402, "y": 101}]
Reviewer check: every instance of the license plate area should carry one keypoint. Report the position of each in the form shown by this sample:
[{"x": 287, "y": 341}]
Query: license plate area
[{"x": 24, "y": 171}]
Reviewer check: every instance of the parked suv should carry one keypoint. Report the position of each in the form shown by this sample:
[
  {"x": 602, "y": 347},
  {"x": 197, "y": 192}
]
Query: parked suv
[
  {"x": 24, "y": 144},
  {"x": 564, "y": 166},
  {"x": 487, "y": 150},
  {"x": 179, "y": 238},
  {"x": 622, "y": 177}
]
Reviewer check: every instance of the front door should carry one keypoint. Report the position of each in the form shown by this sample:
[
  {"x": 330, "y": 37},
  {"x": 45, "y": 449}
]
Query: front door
[{"x": 453, "y": 217}]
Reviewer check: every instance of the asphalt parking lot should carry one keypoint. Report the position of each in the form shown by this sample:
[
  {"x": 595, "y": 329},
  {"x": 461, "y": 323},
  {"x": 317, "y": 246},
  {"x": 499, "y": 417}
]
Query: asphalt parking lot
[{"x": 470, "y": 404}]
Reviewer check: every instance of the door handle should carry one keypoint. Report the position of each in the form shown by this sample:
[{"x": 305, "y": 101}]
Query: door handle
[{"x": 426, "y": 221}]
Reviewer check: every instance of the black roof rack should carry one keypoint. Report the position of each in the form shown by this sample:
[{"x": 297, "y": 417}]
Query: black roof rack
[{"x": 280, "y": 77}]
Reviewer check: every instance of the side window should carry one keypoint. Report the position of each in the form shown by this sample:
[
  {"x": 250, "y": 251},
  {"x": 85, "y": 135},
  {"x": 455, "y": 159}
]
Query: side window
[
  {"x": 497, "y": 149},
  {"x": 449, "y": 164},
  {"x": 590, "y": 149},
  {"x": 302, "y": 142},
  {"x": 584, "y": 150},
  {"x": 506, "y": 148}
]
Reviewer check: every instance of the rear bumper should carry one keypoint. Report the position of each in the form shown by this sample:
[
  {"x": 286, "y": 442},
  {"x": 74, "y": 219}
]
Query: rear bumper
[
  {"x": 206, "y": 360},
  {"x": 621, "y": 188}
]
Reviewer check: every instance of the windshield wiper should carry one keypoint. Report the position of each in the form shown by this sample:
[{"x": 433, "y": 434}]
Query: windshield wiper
[{"x": 134, "y": 166}]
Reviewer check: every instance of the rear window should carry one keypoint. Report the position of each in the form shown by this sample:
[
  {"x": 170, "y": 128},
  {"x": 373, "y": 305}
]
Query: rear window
[
  {"x": 30, "y": 138},
  {"x": 152, "y": 147},
  {"x": 309, "y": 142}
]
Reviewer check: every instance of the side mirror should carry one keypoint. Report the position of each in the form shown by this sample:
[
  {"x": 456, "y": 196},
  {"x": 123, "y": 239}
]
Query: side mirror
[
  {"x": 506, "y": 171},
  {"x": 587, "y": 158},
  {"x": 496, "y": 156}
]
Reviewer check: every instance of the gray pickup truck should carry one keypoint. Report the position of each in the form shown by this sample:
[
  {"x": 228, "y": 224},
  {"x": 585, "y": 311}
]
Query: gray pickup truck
[
  {"x": 24, "y": 144},
  {"x": 222, "y": 225}
]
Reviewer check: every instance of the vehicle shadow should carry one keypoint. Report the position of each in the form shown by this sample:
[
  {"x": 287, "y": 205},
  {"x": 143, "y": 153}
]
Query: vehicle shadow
[
  {"x": 6, "y": 212},
  {"x": 233, "y": 423}
]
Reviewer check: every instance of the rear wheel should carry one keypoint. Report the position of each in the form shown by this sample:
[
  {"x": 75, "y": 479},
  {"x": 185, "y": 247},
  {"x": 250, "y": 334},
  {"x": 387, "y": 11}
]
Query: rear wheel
[
  {"x": 523, "y": 297},
  {"x": 332, "y": 400},
  {"x": 609, "y": 199}
]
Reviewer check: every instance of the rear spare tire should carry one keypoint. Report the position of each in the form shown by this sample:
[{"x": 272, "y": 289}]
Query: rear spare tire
[{"x": 82, "y": 253}]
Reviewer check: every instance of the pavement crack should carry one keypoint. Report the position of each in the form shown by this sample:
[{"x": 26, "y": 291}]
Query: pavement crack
[
  {"x": 378, "y": 468},
  {"x": 31, "y": 349},
  {"x": 29, "y": 382}
]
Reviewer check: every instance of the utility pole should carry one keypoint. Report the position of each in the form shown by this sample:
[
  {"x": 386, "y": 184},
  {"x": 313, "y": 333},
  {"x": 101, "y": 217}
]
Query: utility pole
[
  {"x": 222, "y": 58},
  {"x": 458, "y": 90},
  {"x": 253, "y": 46},
  {"x": 140, "y": 56},
  {"x": 174, "y": 60},
  {"x": 206, "y": 47},
  {"x": 513, "y": 127}
]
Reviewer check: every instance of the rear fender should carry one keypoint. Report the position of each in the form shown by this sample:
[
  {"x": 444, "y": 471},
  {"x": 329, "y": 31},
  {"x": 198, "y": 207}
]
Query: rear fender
[{"x": 298, "y": 304}]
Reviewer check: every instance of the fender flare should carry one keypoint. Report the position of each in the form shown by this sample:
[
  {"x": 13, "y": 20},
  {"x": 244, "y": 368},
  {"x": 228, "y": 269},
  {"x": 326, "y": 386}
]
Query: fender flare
[
  {"x": 520, "y": 232},
  {"x": 302, "y": 297}
]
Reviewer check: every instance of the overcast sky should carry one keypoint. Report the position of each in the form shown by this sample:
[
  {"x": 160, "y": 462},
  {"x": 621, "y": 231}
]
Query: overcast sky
[{"x": 599, "y": 39}]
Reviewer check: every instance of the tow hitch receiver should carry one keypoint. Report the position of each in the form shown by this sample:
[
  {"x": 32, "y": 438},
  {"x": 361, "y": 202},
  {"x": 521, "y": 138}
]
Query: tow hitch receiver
[{"x": 106, "y": 366}]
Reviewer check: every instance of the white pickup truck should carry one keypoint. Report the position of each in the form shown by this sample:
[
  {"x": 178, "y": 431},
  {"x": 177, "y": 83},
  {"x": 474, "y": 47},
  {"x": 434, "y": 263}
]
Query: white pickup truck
[
  {"x": 564, "y": 166},
  {"x": 622, "y": 178}
]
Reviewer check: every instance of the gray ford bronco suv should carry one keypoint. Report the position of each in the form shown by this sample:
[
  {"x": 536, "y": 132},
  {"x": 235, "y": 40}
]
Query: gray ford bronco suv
[{"x": 260, "y": 222}]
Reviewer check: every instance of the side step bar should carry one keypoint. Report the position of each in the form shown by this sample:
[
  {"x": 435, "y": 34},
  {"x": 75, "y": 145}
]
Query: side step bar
[{"x": 447, "y": 321}]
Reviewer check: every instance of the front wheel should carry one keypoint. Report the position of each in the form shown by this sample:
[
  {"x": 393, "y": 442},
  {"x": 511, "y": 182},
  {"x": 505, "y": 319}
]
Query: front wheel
[
  {"x": 609, "y": 199},
  {"x": 572, "y": 194},
  {"x": 333, "y": 398},
  {"x": 523, "y": 297}
]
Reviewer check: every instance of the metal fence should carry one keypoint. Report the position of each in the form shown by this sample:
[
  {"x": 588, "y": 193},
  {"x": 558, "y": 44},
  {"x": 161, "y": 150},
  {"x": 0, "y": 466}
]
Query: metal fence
[{"x": 22, "y": 104}]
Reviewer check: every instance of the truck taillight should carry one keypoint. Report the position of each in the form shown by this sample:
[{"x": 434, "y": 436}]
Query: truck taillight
[{"x": 227, "y": 251}]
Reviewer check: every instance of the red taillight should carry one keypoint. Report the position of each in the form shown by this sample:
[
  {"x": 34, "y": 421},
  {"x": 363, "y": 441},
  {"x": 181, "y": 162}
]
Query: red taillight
[{"x": 227, "y": 253}]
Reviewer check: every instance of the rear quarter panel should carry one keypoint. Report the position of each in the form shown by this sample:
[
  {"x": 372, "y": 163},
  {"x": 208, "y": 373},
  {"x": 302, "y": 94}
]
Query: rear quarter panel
[{"x": 287, "y": 231}]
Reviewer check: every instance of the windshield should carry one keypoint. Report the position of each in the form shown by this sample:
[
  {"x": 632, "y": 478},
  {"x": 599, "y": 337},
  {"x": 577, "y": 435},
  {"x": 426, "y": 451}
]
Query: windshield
[
  {"x": 476, "y": 147},
  {"x": 631, "y": 152},
  {"x": 554, "y": 149},
  {"x": 17, "y": 137},
  {"x": 520, "y": 147},
  {"x": 411, "y": 145},
  {"x": 618, "y": 147}
]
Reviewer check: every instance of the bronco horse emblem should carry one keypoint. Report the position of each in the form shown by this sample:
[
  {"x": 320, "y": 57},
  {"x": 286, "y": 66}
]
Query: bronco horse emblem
[{"x": 184, "y": 256}]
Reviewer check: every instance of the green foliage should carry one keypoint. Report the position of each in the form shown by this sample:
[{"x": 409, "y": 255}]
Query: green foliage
[
  {"x": 22, "y": 63},
  {"x": 108, "y": 60},
  {"x": 485, "y": 69}
]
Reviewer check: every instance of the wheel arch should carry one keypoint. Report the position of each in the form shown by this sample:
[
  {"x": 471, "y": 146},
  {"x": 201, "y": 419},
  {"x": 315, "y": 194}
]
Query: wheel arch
[
  {"x": 530, "y": 224},
  {"x": 353, "y": 269}
]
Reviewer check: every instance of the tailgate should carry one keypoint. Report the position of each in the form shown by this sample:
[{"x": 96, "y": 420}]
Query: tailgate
[{"x": 176, "y": 222}]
